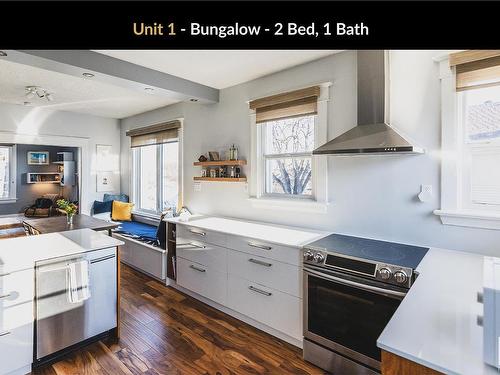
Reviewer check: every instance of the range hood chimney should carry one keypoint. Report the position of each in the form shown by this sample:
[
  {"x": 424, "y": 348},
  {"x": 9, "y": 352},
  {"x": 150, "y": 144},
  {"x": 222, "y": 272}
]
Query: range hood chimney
[{"x": 372, "y": 136}]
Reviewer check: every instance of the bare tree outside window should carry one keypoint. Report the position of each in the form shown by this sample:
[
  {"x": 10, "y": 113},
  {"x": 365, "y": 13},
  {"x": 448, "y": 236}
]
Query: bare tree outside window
[{"x": 288, "y": 149}]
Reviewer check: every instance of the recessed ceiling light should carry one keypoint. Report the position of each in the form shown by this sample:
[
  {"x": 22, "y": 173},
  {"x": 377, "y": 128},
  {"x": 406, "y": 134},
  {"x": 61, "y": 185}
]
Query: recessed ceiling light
[
  {"x": 87, "y": 75},
  {"x": 26, "y": 103},
  {"x": 149, "y": 89},
  {"x": 3, "y": 53},
  {"x": 193, "y": 100}
]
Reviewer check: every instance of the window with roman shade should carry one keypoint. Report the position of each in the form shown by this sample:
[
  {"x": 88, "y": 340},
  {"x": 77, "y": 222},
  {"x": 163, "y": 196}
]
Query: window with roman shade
[
  {"x": 287, "y": 125},
  {"x": 477, "y": 75},
  {"x": 156, "y": 169},
  {"x": 154, "y": 134}
]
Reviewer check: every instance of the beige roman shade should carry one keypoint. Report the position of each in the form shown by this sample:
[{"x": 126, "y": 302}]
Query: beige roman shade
[
  {"x": 290, "y": 104},
  {"x": 476, "y": 68},
  {"x": 154, "y": 134}
]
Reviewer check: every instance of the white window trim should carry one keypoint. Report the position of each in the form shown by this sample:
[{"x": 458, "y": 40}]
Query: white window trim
[
  {"x": 12, "y": 198},
  {"x": 257, "y": 195},
  {"x": 452, "y": 211},
  {"x": 180, "y": 180}
]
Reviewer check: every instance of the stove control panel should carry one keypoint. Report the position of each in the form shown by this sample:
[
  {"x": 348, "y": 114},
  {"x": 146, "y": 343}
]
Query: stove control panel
[{"x": 386, "y": 273}]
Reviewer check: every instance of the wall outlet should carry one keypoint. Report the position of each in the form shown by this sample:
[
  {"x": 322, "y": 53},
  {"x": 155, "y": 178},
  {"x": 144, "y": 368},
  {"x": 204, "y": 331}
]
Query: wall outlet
[
  {"x": 245, "y": 187},
  {"x": 197, "y": 186}
]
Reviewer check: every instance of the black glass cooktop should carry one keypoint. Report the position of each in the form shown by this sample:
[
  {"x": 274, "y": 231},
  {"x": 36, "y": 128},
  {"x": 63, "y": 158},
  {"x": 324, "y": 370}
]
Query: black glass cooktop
[{"x": 364, "y": 248}]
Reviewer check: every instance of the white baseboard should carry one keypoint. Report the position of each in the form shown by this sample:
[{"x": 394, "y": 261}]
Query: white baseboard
[{"x": 237, "y": 315}]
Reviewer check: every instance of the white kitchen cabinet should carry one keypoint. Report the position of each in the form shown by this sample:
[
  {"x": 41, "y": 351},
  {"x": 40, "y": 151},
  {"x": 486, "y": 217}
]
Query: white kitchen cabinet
[
  {"x": 265, "y": 249},
  {"x": 202, "y": 279},
  {"x": 276, "y": 309},
  {"x": 281, "y": 276},
  {"x": 189, "y": 233},
  {"x": 209, "y": 255},
  {"x": 16, "y": 321}
]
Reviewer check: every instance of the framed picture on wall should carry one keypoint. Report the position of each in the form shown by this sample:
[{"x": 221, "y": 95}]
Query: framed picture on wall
[
  {"x": 104, "y": 158},
  {"x": 105, "y": 181},
  {"x": 38, "y": 158}
]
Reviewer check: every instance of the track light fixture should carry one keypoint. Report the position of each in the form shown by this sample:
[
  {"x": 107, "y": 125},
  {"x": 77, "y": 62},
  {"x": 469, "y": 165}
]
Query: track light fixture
[{"x": 38, "y": 92}]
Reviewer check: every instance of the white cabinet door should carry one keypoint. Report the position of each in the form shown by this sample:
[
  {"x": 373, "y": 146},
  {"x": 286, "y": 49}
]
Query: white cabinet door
[
  {"x": 269, "y": 272},
  {"x": 202, "y": 279},
  {"x": 16, "y": 320},
  {"x": 278, "y": 310}
]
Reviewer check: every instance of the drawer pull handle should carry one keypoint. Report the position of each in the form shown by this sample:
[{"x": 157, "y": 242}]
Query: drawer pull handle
[
  {"x": 259, "y": 262},
  {"x": 260, "y": 291},
  {"x": 193, "y": 244},
  {"x": 3, "y": 296},
  {"x": 259, "y": 246},
  {"x": 197, "y": 232},
  {"x": 197, "y": 268},
  {"x": 4, "y": 333}
]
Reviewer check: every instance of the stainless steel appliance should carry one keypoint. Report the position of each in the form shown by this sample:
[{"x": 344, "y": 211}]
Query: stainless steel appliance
[
  {"x": 352, "y": 287},
  {"x": 372, "y": 136},
  {"x": 61, "y": 324}
]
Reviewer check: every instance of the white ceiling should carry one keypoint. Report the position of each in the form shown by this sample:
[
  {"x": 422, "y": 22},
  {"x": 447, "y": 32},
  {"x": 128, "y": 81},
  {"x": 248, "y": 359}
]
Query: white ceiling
[
  {"x": 73, "y": 93},
  {"x": 218, "y": 68}
]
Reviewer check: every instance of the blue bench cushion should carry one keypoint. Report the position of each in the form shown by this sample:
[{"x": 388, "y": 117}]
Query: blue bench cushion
[{"x": 143, "y": 231}]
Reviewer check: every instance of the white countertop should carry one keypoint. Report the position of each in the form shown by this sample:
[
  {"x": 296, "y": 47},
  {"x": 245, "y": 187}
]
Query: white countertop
[
  {"x": 435, "y": 325},
  {"x": 278, "y": 234},
  {"x": 22, "y": 252}
]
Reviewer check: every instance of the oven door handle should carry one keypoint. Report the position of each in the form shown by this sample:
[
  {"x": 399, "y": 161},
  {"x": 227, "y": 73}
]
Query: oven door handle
[{"x": 369, "y": 288}]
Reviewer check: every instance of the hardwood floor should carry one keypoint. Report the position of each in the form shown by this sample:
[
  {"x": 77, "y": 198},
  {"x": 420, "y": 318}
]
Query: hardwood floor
[{"x": 166, "y": 332}]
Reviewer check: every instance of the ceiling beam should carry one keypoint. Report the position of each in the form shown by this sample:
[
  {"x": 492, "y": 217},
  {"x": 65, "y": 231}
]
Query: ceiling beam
[{"x": 115, "y": 72}]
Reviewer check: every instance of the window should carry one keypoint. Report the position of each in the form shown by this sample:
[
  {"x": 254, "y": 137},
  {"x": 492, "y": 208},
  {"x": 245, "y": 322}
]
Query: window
[
  {"x": 288, "y": 145},
  {"x": 156, "y": 167},
  {"x": 155, "y": 176},
  {"x": 479, "y": 124},
  {"x": 470, "y": 100},
  {"x": 7, "y": 173},
  {"x": 285, "y": 129}
]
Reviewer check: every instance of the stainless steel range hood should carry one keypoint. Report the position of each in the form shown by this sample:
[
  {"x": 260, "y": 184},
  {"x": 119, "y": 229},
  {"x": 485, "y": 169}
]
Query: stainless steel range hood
[{"x": 372, "y": 136}]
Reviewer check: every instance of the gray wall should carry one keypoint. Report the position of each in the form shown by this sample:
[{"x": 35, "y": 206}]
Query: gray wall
[
  {"x": 27, "y": 193},
  {"x": 369, "y": 196}
]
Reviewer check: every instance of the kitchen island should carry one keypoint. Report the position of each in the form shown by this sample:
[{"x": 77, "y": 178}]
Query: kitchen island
[
  {"x": 436, "y": 324},
  {"x": 18, "y": 260}
]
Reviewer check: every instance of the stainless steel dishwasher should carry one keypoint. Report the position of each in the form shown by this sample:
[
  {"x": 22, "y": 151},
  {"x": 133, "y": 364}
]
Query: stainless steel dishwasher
[{"x": 61, "y": 324}]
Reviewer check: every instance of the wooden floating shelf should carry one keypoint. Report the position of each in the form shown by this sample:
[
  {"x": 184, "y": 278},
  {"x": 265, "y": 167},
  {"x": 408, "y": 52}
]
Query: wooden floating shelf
[
  {"x": 221, "y": 179},
  {"x": 219, "y": 162}
]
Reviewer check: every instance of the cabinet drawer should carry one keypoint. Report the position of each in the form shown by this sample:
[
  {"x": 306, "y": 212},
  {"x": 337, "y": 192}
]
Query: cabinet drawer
[
  {"x": 16, "y": 287},
  {"x": 269, "y": 272},
  {"x": 265, "y": 249},
  {"x": 278, "y": 310},
  {"x": 189, "y": 233},
  {"x": 16, "y": 348},
  {"x": 211, "y": 256},
  {"x": 203, "y": 280}
]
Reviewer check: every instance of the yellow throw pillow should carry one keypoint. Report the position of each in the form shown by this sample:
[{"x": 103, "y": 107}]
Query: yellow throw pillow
[{"x": 121, "y": 211}]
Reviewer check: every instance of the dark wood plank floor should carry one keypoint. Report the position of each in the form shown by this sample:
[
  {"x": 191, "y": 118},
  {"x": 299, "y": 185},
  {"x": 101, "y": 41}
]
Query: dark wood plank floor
[{"x": 166, "y": 332}]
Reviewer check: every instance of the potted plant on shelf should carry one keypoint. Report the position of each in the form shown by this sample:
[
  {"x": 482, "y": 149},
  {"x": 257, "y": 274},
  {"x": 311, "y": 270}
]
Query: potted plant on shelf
[{"x": 69, "y": 208}]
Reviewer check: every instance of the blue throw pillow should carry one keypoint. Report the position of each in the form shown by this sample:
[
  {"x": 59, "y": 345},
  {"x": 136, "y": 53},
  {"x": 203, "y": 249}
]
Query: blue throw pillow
[
  {"x": 101, "y": 207},
  {"x": 115, "y": 197}
]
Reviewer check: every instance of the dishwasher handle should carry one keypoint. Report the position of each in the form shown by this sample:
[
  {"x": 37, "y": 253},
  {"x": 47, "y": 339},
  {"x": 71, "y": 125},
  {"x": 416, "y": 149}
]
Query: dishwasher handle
[{"x": 102, "y": 259}]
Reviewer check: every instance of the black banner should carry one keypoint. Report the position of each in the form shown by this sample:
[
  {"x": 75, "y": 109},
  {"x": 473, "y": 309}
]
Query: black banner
[{"x": 249, "y": 25}]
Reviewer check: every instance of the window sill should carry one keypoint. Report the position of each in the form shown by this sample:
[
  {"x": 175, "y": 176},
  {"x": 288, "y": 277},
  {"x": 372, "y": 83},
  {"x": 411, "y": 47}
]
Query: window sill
[
  {"x": 470, "y": 218},
  {"x": 297, "y": 205},
  {"x": 8, "y": 200}
]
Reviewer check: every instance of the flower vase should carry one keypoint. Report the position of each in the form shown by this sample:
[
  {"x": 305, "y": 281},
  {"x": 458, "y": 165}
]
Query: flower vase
[{"x": 69, "y": 219}]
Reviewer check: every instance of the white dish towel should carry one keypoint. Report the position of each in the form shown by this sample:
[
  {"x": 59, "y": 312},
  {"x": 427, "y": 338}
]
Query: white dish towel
[{"x": 78, "y": 281}]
